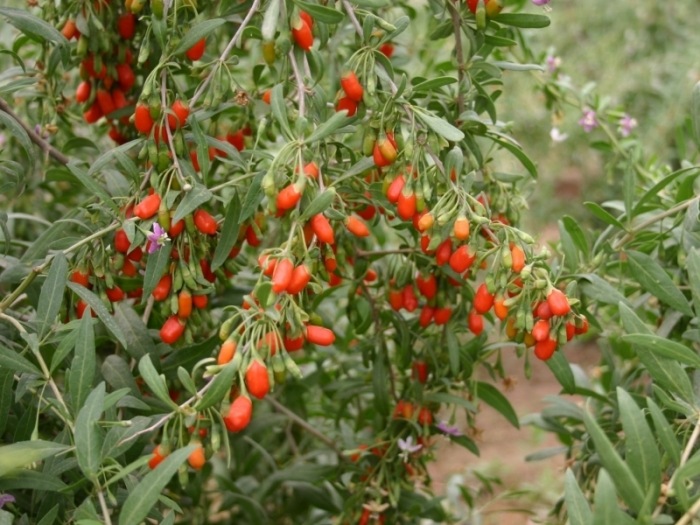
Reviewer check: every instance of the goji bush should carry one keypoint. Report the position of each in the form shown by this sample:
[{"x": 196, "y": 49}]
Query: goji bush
[{"x": 254, "y": 253}]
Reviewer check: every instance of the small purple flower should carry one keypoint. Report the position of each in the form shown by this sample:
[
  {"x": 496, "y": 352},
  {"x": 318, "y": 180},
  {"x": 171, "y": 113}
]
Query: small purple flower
[
  {"x": 157, "y": 239},
  {"x": 627, "y": 125},
  {"x": 540, "y": 2},
  {"x": 588, "y": 121},
  {"x": 6, "y": 498},
  {"x": 446, "y": 428},
  {"x": 553, "y": 63},
  {"x": 407, "y": 447}
]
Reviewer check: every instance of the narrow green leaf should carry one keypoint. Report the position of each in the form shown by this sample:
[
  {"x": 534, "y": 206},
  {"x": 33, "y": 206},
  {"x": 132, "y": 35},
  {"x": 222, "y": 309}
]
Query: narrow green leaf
[
  {"x": 321, "y": 13},
  {"x": 88, "y": 434},
  {"x": 18, "y": 132},
  {"x": 605, "y": 509},
  {"x": 145, "y": 495},
  {"x": 32, "y": 26},
  {"x": 379, "y": 385},
  {"x": 514, "y": 66},
  {"x": 197, "y": 32},
  {"x": 641, "y": 453},
  {"x": 193, "y": 199},
  {"x": 117, "y": 373},
  {"x": 155, "y": 268},
  {"x": 229, "y": 233},
  {"x": 515, "y": 150},
  {"x": 655, "y": 280},
  {"x": 253, "y": 198},
  {"x": 321, "y": 203},
  {"x": 100, "y": 309},
  {"x": 30, "y": 480},
  {"x": 453, "y": 351},
  {"x": 220, "y": 387},
  {"x": 665, "y": 348},
  {"x": 493, "y": 397},
  {"x": 577, "y": 234},
  {"x": 523, "y": 20},
  {"x": 603, "y": 215},
  {"x": 6, "y": 383},
  {"x": 104, "y": 159},
  {"x": 24, "y": 453},
  {"x": 138, "y": 342},
  {"x": 440, "y": 126},
  {"x": 627, "y": 485},
  {"x": 67, "y": 341},
  {"x": 279, "y": 110},
  {"x": 561, "y": 369},
  {"x": 599, "y": 289},
  {"x": 82, "y": 372},
  {"x": 450, "y": 399},
  {"x": 664, "y": 432},
  {"x": 156, "y": 383},
  {"x": 631, "y": 321},
  {"x": 695, "y": 113},
  {"x": 270, "y": 21},
  {"x": 13, "y": 361},
  {"x": 40, "y": 245},
  {"x": 330, "y": 126},
  {"x": 432, "y": 84},
  {"x": 93, "y": 188},
  {"x": 577, "y": 508},
  {"x": 51, "y": 295},
  {"x": 693, "y": 262}
]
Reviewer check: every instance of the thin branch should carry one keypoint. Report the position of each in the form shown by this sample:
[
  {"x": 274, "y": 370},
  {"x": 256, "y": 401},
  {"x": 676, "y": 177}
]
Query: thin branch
[
  {"x": 688, "y": 516},
  {"x": 303, "y": 423},
  {"x": 353, "y": 18},
  {"x": 36, "y": 139},
  {"x": 301, "y": 89},
  {"x": 203, "y": 86},
  {"x": 105, "y": 510},
  {"x": 363, "y": 253}
]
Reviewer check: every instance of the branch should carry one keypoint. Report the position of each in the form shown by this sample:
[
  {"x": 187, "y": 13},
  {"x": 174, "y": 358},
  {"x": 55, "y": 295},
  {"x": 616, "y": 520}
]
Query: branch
[
  {"x": 353, "y": 18},
  {"x": 36, "y": 139},
  {"x": 459, "y": 53},
  {"x": 301, "y": 95}
]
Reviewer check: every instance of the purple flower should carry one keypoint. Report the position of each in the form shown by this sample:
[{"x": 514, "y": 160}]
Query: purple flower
[
  {"x": 157, "y": 239},
  {"x": 407, "y": 447},
  {"x": 446, "y": 428},
  {"x": 627, "y": 125},
  {"x": 6, "y": 498},
  {"x": 588, "y": 121},
  {"x": 553, "y": 63},
  {"x": 558, "y": 136},
  {"x": 540, "y": 2}
]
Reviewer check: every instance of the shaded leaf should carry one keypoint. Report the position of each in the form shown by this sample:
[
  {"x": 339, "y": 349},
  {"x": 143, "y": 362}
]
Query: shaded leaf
[
  {"x": 229, "y": 233},
  {"x": 24, "y": 453},
  {"x": 577, "y": 508},
  {"x": 13, "y": 361},
  {"x": 155, "y": 268},
  {"x": 51, "y": 296},
  {"x": 493, "y": 397},
  {"x": 139, "y": 343},
  {"x": 100, "y": 309},
  {"x": 88, "y": 435},
  {"x": 656, "y": 281},
  {"x": 665, "y": 348},
  {"x": 82, "y": 372}
]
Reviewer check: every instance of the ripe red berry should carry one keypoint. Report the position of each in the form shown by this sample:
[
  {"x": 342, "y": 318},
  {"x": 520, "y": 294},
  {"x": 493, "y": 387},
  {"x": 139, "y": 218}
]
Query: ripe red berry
[
  {"x": 239, "y": 414},
  {"x": 483, "y": 299},
  {"x": 197, "y": 50},
  {"x": 351, "y": 85},
  {"x": 319, "y": 335},
  {"x": 205, "y": 223},
  {"x": 257, "y": 380},
  {"x": 172, "y": 330},
  {"x": 142, "y": 119},
  {"x": 558, "y": 302}
]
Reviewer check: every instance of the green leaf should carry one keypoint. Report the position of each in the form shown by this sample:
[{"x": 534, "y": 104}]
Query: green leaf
[
  {"x": 577, "y": 508},
  {"x": 321, "y": 203},
  {"x": 32, "y": 26},
  {"x": 449, "y": 399},
  {"x": 93, "y": 188},
  {"x": 82, "y": 372},
  {"x": 515, "y": 150},
  {"x": 561, "y": 369},
  {"x": 253, "y": 198},
  {"x": 330, "y": 126},
  {"x": 664, "y": 432},
  {"x": 6, "y": 383},
  {"x": 577, "y": 234},
  {"x": 31, "y": 480},
  {"x": 51, "y": 295},
  {"x": 631, "y": 321},
  {"x": 24, "y": 453},
  {"x": 88, "y": 434},
  {"x": 229, "y": 233},
  {"x": 13, "y": 361},
  {"x": 439, "y": 125},
  {"x": 693, "y": 262},
  {"x": 379, "y": 385},
  {"x": 514, "y": 66},
  {"x": 656, "y": 281},
  {"x": 600, "y": 290},
  {"x": 104, "y": 159},
  {"x": 138, "y": 342},
  {"x": 603, "y": 215},
  {"x": 321, "y": 13},
  {"x": 641, "y": 453},
  {"x": 220, "y": 386},
  {"x": 198, "y": 195},
  {"x": 156, "y": 383},
  {"x": 145, "y": 495},
  {"x": 627, "y": 485},
  {"x": 117, "y": 373},
  {"x": 605, "y": 509},
  {"x": 667, "y": 373},
  {"x": 100, "y": 309},
  {"x": 490, "y": 395},
  {"x": 665, "y": 348},
  {"x": 155, "y": 268},
  {"x": 270, "y": 21},
  {"x": 18, "y": 132},
  {"x": 279, "y": 110},
  {"x": 196, "y": 33},
  {"x": 432, "y": 84},
  {"x": 523, "y": 20}
]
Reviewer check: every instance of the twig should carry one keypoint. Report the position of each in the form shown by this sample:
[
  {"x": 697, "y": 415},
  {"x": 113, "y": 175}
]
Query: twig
[
  {"x": 168, "y": 132},
  {"x": 353, "y": 18},
  {"x": 36, "y": 139},
  {"x": 303, "y": 423},
  {"x": 363, "y": 253},
  {"x": 227, "y": 51},
  {"x": 301, "y": 95},
  {"x": 105, "y": 510},
  {"x": 692, "y": 511}
]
